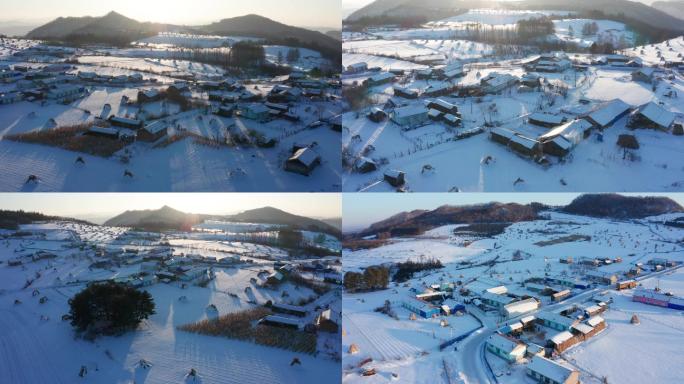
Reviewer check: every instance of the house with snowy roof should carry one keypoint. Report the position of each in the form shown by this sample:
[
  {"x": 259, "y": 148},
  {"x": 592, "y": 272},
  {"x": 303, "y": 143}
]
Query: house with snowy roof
[
  {"x": 410, "y": 116},
  {"x": 652, "y": 116},
  {"x": 303, "y": 161},
  {"x": 507, "y": 348},
  {"x": 550, "y": 372}
]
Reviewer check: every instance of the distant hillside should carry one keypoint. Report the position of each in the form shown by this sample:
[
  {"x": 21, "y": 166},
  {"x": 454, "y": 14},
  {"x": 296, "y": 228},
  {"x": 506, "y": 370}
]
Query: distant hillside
[
  {"x": 621, "y": 207},
  {"x": 337, "y": 35},
  {"x": 272, "y": 215},
  {"x": 636, "y": 14},
  {"x": 335, "y": 222},
  {"x": 418, "y": 221},
  {"x": 277, "y": 33},
  {"x": 165, "y": 218},
  {"x": 117, "y": 29},
  {"x": 13, "y": 219},
  {"x": 674, "y": 8},
  {"x": 113, "y": 28}
]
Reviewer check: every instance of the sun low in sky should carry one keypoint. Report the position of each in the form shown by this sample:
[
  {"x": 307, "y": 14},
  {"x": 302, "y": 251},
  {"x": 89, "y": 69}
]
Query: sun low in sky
[
  {"x": 303, "y": 13},
  {"x": 90, "y": 205}
]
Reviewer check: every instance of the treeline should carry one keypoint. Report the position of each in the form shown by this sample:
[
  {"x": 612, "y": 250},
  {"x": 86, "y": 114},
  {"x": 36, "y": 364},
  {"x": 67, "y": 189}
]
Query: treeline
[
  {"x": 400, "y": 21},
  {"x": 13, "y": 219},
  {"x": 406, "y": 269},
  {"x": 371, "y": 279},
  {"x": 524, "y": 32}
]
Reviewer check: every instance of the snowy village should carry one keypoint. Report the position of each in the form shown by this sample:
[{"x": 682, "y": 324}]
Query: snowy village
[
  {"x": 172, "y": 110},
  {"x": 460, "y": 294},
  {"x": 222, "y": 299},
  {"x": 497, "y": 100}
]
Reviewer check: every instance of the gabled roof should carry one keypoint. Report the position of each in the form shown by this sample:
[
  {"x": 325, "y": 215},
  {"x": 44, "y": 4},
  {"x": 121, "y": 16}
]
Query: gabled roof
[
  {"x": 306, "y": 156},
  {"x": 609, "y": 112},
  {"x": 657, "y": 114},
  {"x": 561, "y": 337},
  {"x": 547, "y": 118},
  {"x": 506, "y": 344},
  {"x": 410, "y": 110},
  {"x": 550, "y": 369}
]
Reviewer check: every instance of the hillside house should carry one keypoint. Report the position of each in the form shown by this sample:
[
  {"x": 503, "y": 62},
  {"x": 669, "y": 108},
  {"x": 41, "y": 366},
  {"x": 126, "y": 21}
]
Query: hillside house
[
  {"x": 148, "y": 96},
  {"x": 501, "y": 135},
  {"x": 506, "y": 347},
  {"x": 111, "y": 133},
  {"x": 406, "y": 93},
  {"x": 651, "y": 116},
  {"x": 409, "y": 117},
  {"x": 283, "y": 322},
  {"x": 451, "y": 71},
  {"x": 644, "y": 75},
  {"x": 608, "y": 278},
  {"x": 562, "y": 341},
  {"x": 379, "y": 79},
  {"x": 125, "y": 122},
  {"x": 609, "y": 113},
  {"x": 66, "y": 92},
  {"x": 524, "y": 145},
  {"x": 547, "y": 371},
  {"x": 498, "y": 301},
  {"x": 560, "y": 295},
  {"x": 257, "y": 112},
  {"x": 520, "y": 307},
  {"x": 547, "y": 63},
  {"x": 303, "y": 161},
  {"x": 547, "y": 120},
  {"x": 438, "y": 89},
  {"x": 497, "y": 82},
  {"x": 421, "y": 308},
  {"x": 153, "y": 131},
  {"x": 444, "y": 107},
  {"x": 555, "y": 321},
  {"x": 357, "y": 67},
  {"x": 626, "y": 284},
  {"x": 571, "y": 132},
  {"x": 288, "y": 309}
]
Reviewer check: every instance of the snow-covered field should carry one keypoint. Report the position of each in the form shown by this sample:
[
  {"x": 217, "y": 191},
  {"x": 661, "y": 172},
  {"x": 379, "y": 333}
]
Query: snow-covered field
[
  {"x": 38, "y": 347},
  {"x": 593, "y": 164},
  {"x": 185, "y": 159},
  {"x": 407, "y": 350}
]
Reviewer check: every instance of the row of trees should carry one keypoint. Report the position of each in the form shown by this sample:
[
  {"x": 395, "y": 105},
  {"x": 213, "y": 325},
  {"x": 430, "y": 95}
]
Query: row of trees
[
  {"x": 372, "y": 279},
  {"x": 406, "y": 269}
]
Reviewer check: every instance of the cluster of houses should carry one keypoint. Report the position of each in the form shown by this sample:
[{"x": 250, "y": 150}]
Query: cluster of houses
[
  {"x": 435, "y": 301},
  {"x": 520, "y": 341}
]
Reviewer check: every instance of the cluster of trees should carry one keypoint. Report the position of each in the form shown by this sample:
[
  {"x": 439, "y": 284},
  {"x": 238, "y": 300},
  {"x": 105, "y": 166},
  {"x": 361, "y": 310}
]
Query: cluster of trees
[
  {"x": 523, "y": 32},
  {"x": 589, "y": 29},
  {"x": 242, "y": 55},
  {"x": 13, "y": 219},
  {"x": 290, "y": 238},
  {"x": 406, "y": 269},
  {"x": 372, "y": 279},
  {"x": 292, "y": 56},
  {"x": 109, "y": 308},
  {"x": 535, "y": 27},
  {"x": 356, "y": 96}
]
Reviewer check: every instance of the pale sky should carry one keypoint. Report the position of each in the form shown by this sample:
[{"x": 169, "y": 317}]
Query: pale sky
[
  {"x": 305, "y": 13},
  {"x": 90, "y": 206},
  {"x": 362, "y": 209}
]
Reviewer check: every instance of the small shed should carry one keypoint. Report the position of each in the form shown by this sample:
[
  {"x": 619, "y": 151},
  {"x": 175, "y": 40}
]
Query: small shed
[{"x": 303, "y": 161}]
